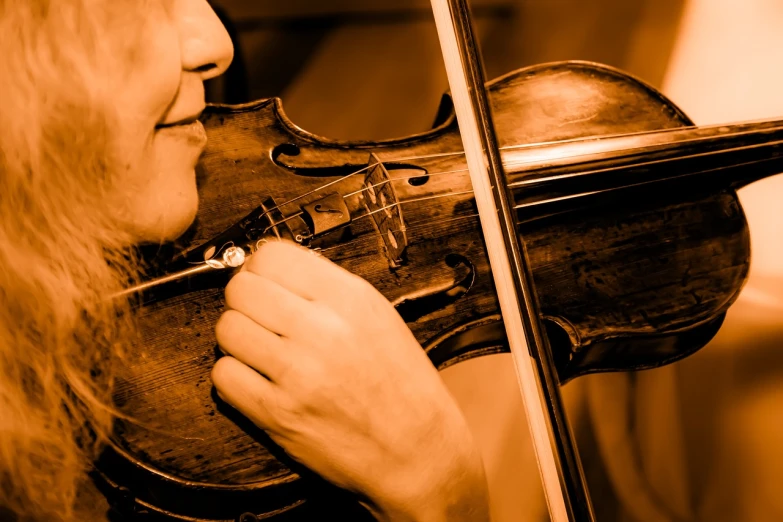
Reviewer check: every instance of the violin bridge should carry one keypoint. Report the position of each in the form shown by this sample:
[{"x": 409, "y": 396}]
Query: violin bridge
[{"x": 381, "y": 202}]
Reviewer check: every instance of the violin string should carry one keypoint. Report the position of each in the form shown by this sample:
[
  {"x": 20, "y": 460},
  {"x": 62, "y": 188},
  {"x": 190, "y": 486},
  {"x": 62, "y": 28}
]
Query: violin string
[
  {"x": 406, "y": 178},
  {"x": 523, "y": 205},
  {"x": 413, "y": 226},
  {"x": 382, "y": 209},
  {"x": 368, "y": 187},
  {"x": 317, "y": 189},
  {"x": 421, "y": 224},
  {"x": 414, "y": 200},
  {"x": 516, "y": 207},
  {"x": 596, "y": 138},
  {"x": 584, "y": 173},
  {"x": 630, "y": 185},
  {"x": 532, "y": 160},
  {"x": 431, "y": 224}
]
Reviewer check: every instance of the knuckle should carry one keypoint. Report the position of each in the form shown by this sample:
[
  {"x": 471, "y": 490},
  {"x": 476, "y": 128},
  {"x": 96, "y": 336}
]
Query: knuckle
[
  {"x": 288, "y": 415},
  {"x": 227, "y": 325},
  {"x": 259, "y": 258},
  {"x": 314, "y": 399},
  {"x": 333, "y": 327},
  {"x": 362, "y": 297},
  {"x": 310, "y": 385},
  {"x": 308, "y": 399},
  {"x": 273, "y": 406},
  {"x": 287, "y": 372},
  {"x": 368, "y": 293},
  {"x": 222, "y": 372},
  {"x": 270, "y": 256},
  {"x": 236, "y": 288},
  {"x": 361, "y": 286}
]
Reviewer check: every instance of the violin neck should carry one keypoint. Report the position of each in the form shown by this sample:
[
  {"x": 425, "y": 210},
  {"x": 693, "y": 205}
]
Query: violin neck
[{"x": 725, "y": 156}]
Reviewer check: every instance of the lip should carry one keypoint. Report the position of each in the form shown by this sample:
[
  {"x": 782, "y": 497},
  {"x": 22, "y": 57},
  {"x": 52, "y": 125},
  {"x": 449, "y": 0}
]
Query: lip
[
  {"x": 187, "y": 120},
  {"x": 193, "y": 132},
  {"x": 184, "y": 121}
]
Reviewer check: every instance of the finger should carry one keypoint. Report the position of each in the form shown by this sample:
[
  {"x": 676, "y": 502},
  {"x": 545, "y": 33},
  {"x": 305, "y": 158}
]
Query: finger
[
  {"x": 297, "y": 269},
  {"x": 253, "y": 345},
  {"x": 269, "y": 304},
  {"x": 247, "y": 391}
]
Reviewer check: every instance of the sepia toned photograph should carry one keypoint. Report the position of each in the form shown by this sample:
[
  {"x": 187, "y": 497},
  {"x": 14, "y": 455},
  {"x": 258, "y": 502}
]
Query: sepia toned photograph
[{"x": 391, "y": 260}]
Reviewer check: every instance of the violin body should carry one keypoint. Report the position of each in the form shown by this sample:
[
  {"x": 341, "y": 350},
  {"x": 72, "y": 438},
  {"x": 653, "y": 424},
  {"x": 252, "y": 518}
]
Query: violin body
[{"x": 634, "y": 283}]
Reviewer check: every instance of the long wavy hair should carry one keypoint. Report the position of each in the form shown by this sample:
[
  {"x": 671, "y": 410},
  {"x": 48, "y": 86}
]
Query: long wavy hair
[{"x": 62, "y": 252}]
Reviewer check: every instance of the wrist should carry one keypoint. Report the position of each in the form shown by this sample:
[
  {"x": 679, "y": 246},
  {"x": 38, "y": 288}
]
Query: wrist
[{"x": 448, "y": 491}]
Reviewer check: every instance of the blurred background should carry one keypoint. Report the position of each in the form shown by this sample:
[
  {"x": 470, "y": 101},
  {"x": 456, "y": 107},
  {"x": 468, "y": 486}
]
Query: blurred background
[
  {"x": 372, "y": 69},
  {"x": 359, "y": 69}
]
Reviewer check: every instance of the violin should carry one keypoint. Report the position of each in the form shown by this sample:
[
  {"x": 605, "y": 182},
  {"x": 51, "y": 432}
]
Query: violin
[{"x": 633, "y": 233}]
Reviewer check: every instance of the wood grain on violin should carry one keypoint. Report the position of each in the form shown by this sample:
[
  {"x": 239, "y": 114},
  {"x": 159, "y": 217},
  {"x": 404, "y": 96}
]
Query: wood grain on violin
[{"x": 635, "y": 280}]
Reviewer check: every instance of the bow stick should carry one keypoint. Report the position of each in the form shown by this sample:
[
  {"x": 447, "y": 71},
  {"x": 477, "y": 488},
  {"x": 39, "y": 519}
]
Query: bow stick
[{"x": 558, "y": 461}]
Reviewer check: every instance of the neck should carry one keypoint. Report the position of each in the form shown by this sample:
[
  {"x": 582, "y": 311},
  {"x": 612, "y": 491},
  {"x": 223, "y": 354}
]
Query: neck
[{"x": 725, "y": 156}]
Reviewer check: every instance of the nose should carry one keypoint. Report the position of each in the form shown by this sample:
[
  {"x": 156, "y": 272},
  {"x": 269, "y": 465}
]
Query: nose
[{"x": 205, "y": 44}]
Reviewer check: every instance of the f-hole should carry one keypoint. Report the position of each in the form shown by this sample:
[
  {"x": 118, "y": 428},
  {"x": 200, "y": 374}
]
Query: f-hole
[
  {"x": 281, "y": 152},
  {"x": 416, "y": 306}
]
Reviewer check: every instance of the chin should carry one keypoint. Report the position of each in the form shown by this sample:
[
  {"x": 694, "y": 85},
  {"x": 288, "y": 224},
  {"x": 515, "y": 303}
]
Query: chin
[
  {"x": 167, "y": 202},
  {"x": 165, "y": 219},
  {"x": 176, "y": 225}
]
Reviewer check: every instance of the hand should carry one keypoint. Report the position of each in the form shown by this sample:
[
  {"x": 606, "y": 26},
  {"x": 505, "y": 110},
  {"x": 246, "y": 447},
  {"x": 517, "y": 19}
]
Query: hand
[{"x": 321, "y": 360}]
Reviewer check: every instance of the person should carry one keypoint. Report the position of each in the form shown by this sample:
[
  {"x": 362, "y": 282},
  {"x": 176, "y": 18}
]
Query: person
[{"x": 99, "y": 139}]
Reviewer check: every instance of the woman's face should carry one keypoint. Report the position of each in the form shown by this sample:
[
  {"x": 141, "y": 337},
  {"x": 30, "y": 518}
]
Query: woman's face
[{"x": 181, "y": 44}]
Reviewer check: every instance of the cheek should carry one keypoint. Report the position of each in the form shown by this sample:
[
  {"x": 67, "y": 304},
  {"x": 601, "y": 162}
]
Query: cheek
[
  {"x": 155, "y": 190},
  {"x": 151, "y": 80}
]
